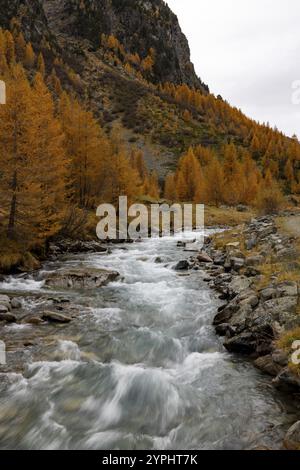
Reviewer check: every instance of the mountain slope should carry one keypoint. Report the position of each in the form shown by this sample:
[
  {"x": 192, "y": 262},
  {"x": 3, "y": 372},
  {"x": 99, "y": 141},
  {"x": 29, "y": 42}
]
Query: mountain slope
[
  {"x": 139, "y": 25},
  {"x": 130, "y": 62}
]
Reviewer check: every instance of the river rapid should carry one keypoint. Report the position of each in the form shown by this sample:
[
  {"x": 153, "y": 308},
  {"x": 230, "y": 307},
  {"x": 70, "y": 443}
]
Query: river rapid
[{"x": 139, "y": 368}]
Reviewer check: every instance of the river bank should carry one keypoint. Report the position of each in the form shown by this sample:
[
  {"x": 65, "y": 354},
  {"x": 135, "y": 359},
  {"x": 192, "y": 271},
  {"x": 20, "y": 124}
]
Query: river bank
[
  {"x": 130, "y": 363},
  {"x": 255, "y": 270}
]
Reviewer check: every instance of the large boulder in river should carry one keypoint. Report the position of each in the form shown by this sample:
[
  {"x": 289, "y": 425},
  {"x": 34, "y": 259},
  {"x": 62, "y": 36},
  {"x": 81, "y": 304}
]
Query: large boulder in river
[{"x": 81, "y": 278}]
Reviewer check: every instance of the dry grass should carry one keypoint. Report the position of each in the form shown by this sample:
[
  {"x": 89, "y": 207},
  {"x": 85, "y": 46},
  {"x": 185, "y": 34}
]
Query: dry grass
[
  {"x": 16, "y": 254},
  {"x": 229, "y": 236},
  {"x": 288, "y": 338},
  {"x": 229, "y": 217}
]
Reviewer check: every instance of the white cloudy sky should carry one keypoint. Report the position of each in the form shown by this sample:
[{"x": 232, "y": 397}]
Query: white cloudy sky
[{"x": 249, "y": 52}]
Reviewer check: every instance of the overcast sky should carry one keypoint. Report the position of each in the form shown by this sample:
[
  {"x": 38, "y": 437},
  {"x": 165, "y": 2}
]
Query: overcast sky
[{"x": 249, "y": 52}]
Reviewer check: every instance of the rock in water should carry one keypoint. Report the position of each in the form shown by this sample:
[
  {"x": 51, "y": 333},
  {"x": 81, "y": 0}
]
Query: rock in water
[
  {"x": 16, "y": 303},
  {"x": 182, "y": 266},
  {"x": 81, "y": 278},
  {"x": 55, "y": 317},
  {"x": 292, "y": 438},
  {"x": 4, "y": 302}
]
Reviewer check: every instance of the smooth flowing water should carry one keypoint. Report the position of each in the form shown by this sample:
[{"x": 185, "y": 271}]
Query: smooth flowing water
[{"x": 140, "y": 368}]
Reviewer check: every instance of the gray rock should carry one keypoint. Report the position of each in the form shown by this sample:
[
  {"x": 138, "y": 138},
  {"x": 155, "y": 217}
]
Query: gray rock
[
  {"x": 239, "y": 284},
  {"x": 3, "y": 308},
  {"x": 204, "y": 258},
  {"x": 223, "y": 278},
  {"x": 268, "y": 294},
  {"x": 251, "y": 300},
  {"x": 237, "y": 263},
  {"x": 268, "y": 365},
  {"x": 282, "y": 305},
  {"x": 55, "y": 317},
  {"x": 220, "y": 260},
  {"x": 5, "y": 300},
  {"x": 16, "y": 303},
  {"x": 287, "y": 289},
  {"x": 81, "y": 278},
  {"x": 239, "y": 319},
  {"x": 183, "y": 265},
  {"x": 292, "y": 437},
  {"x": 244, "y": 343}
]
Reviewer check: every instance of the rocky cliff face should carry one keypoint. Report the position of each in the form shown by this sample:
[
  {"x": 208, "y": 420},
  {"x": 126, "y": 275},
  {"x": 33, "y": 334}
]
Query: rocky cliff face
[
  {"x": 138, "y": 24},
  {"x": 30, "y": 15}
]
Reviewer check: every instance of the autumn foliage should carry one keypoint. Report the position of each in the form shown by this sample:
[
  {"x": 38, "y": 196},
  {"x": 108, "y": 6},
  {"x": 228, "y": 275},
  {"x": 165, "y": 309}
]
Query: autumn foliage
[
  {"x": 230, "y": 177},
  {"x": 54, "y": 155}
]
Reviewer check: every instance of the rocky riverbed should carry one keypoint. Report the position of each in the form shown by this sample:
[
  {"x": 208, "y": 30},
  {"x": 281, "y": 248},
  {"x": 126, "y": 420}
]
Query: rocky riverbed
[
  {"x": 256, "y": 309},
  {"x": 114, "y": 347}
]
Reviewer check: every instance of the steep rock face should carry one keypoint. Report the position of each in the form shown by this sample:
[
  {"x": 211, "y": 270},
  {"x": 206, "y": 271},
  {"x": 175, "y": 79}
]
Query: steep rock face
[
  {"x": 30, "y": 15},
  {"x": 138, "y": 24}
]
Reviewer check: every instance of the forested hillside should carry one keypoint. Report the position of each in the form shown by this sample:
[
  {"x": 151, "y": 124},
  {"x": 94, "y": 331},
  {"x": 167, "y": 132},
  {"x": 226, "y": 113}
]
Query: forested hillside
[{"x": 103, "y": 100}]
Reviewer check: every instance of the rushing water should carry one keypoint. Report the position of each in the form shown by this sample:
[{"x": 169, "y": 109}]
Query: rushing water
[{"x": 140, "y": 368}]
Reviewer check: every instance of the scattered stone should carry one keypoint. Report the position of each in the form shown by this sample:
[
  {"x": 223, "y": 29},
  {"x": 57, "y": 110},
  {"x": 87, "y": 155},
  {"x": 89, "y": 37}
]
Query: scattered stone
[
  {"x": 182, "y": 265},
  {"x": 204, "y": 258},
  {"x": 268, "y": 294},
  {"x": 56, "y": 317},
  {"x": 220, "y": 260},
  {"x": 267, "y": 364},
  {"x": 16, "y": 303},
  {"x": 287, "y": 289},
  {"x": 244, "y": 343},
  {"x": 3, "y": 309},
  {"x": 239, "y": 284},
  {"x": 237, "y": 263},
  {"x": 81, "y": 278},
  {"x": 5, "y": 300}
]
